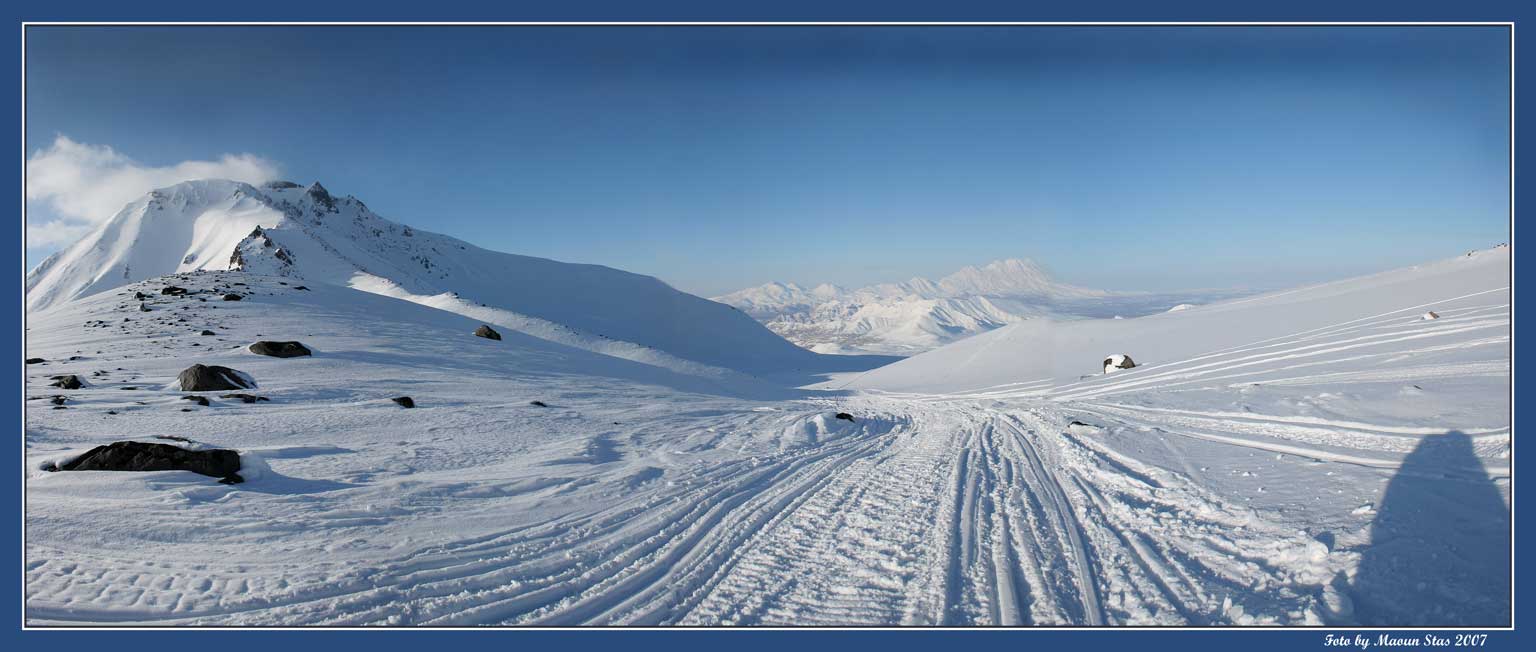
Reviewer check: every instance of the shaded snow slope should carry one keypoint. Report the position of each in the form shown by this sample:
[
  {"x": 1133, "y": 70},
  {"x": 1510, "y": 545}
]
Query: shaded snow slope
[
  {"x": 311, "y": 236},
  {"x": 920, "y": 315}
]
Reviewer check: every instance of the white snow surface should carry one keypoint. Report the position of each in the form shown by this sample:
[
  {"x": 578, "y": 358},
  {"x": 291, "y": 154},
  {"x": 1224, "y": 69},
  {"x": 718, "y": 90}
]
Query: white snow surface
[
  {"x": 919, "y": 315},
  {"x": 1315, "y": 457}
]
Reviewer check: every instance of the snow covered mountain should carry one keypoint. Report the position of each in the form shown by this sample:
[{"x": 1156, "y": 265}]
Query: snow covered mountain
[
  {"x": 307, "y": 234},
  {"x": 1322, "y": 456},
  {"x": 920, "y": 314}
]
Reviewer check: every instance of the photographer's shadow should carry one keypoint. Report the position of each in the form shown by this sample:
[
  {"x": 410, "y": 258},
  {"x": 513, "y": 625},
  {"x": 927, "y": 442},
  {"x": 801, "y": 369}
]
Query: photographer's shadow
[{"x": 1439, "y": 552}]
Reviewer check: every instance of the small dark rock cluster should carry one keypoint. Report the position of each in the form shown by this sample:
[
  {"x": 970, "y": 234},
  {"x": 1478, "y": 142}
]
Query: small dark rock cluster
[
  {"x": 245, "y": 398},
  {"x": 845, "y": 416},
  {"x": 232, "y": 297},
  {"x": 404, "y": 401}
]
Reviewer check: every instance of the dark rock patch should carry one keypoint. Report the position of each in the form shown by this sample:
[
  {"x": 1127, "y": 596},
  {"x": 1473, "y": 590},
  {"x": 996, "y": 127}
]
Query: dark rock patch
[
  {"x": 57, "y": 400},
  {"x": 70, "y": 381},
  {"x": 211, "y": 378},
  {"x": 245, "y": 398},
  {"x": 845, "y": 416},
  {"x": 140, "y": 456},
  {"x": 143, "y": 307},
  {"x": 35, "y": 360},
  {"x": 279, "y": 349},
  {"x": 538, "y": 403},
  {"x": 207, "y": 332},
  {"x": 232, "y": 297},
  {"x": 404, "y": 401},
  {"x": 173, "y": 291},
  {"x": 300, "y": 287},
  {"x": 487, "y": 332},
  {"x": 200, "y": 400}
]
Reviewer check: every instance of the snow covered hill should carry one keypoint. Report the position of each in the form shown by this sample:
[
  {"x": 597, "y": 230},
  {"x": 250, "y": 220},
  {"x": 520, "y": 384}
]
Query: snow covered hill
[
  {"x": 920, "y": 314},
  {"x": 311, "y": 236},
  {"x": 1325, "y": 456}
]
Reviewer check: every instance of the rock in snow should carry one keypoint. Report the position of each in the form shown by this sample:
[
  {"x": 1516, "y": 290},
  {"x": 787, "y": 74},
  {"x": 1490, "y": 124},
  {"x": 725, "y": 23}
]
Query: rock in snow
[
  {"x": 279, "y": 349},
  {"x": 1430, "y": 315},
  {"x": 404, "y": 401},
  {"x": 212, "y": 378},
  {"x": 487, "y": 332},
  {"x": 69, "y": 381},
  {"x": 1117, "y": 362},
  {"x": 139, "y": 456}
]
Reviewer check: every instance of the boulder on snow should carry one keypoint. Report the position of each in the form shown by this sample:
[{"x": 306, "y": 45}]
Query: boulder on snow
[
  {"x": 211, "y": 378},
  {"x": 200, "y": 400},
  {"x": 404, "y": 401},
  {"x": 139, "y": 456},
  {"x": 173, "y": 290},
  {"x": 35, "y": 360},
  {"x": 140, "y": 296},
  {"x": 69, "y": 381},
  {"x": 487, "y": 332},
  {"x": 538, "y": 403},
  {"x": 845, "y": 416},
  {"x": 279, "y": 349},
  {"x": 1117, "y": 362},
  {"x": 143, "y": 307},
  {"x": 207, "y": 332},
  {"x": 1430, "y": 315},
  {"x": 232, "y": 297}
]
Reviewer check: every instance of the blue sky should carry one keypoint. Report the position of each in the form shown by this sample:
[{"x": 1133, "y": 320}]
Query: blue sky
[{"x": 716, "y": 158}]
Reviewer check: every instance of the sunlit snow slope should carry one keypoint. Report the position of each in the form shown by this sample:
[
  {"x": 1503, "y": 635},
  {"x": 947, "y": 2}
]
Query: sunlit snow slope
[{"x": 308, "y": 235}]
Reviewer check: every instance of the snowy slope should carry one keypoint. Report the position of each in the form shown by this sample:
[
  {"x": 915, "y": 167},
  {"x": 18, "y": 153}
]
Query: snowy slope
[
  {"x": 313, "y": 237},
  {"x": 1057, "y": 353},
  {"x": 919, "y": 315},
  {"x": 1350, "y": 467}
]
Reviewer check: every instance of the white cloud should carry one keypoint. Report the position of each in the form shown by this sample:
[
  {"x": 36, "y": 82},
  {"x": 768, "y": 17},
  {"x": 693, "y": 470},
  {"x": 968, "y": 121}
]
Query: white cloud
[{"x": 83, "y": 184}]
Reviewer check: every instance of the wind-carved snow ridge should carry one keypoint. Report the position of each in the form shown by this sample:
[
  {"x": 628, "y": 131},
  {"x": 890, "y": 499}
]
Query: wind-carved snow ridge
[
  {"x": 310, "y": 234},
  {"x": 920, "y": 315}
]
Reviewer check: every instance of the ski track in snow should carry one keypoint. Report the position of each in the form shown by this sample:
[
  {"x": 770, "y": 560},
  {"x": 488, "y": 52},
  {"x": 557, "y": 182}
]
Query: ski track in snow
[{"x": 982, "y": 507}]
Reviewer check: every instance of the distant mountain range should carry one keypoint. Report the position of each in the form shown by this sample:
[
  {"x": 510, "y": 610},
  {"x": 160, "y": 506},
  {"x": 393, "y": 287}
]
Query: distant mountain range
[{"x": 922, "y": 314}]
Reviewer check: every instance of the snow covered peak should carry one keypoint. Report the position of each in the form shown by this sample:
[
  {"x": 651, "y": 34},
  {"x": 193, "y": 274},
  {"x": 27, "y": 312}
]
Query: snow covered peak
[
  {"x": 1006, "y": 278},
  {"x": 310, "y": 234}
]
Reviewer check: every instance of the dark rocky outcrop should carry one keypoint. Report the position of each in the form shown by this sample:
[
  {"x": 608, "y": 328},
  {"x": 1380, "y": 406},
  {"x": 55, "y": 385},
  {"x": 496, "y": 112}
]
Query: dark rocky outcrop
[
  {"x": 232, "y": 297},
  {"x": 140, "y": 296},
  {"x": 57, "y": 400},
  {"x": 207, "y": 332},
  {"x": 35, "y": 360},
  {"x": 173, "y": 291},
  {"x": 212, "y": 378},
  {"x": 280, "y": 349},
  {"x": 245, "y": 398},
  {"x": 845, "y": 416},
  {"x": 538, "y": 403},
  {"x": 140, "y": 456},
  {"x": 487, "y": 332},
  {"x": 404, "y": 401},
  {"x": 70, "y": 381},
  {"x": 1117, "y": 362},
  {"x": 200, "y": 400}
]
